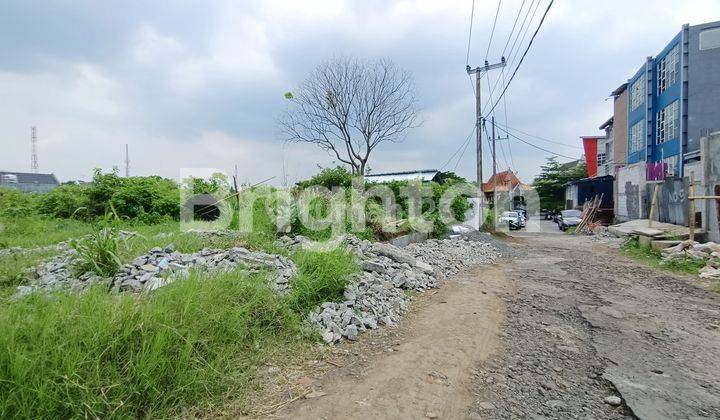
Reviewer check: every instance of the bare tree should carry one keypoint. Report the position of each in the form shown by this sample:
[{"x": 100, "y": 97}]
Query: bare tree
[{"x": 348, "y": 107}]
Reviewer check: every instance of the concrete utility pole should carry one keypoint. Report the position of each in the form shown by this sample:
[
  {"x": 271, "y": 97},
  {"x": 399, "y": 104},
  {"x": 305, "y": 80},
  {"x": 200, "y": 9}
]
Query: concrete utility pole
[
  {"x": 34, "y": 167},
  {"x": 478, "y": 72},
  {"x": 492, "y": 121},
  {"x": 127, "y": 161}
]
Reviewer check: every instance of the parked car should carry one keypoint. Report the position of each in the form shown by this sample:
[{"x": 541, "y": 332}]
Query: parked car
[
  {"x": 569, "y": 218},
  {"x": 544, "y": 213},
  {"x": 512, "y": 218}
]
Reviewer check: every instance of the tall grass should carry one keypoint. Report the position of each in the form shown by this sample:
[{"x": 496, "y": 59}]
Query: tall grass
[
  {"x": 35, "y": 231},
  {"x": 322, "y": 277},
  {"x": 189, "y": 345},
  {"x": 13, "y": 267},
  {"x": 652, "y": 257}
]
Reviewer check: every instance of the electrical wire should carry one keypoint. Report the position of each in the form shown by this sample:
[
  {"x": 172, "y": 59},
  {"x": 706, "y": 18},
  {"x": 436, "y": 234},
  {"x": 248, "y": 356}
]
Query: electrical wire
[
  {"x": 542, "y": 20},
  {"x": 522, "y": 31},
  {"x": 492, "y": 32},
  {"x": 534, "y": 145},
  {"x": 538, "y": 137},
  {"x": 463, "y": 144},
  {"x": 472, "y": 17},
  {"x": 517, "y": 17}
]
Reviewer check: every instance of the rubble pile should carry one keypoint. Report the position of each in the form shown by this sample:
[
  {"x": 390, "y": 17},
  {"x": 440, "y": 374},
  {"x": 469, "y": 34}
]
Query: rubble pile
[
  {"x": 709, "y": 252},
  {"x": 377, "y": 297},
  {"x": 57, "y": 273},
  {"x": 449, "y": 256},
  {"x": 159, "y": 266}
]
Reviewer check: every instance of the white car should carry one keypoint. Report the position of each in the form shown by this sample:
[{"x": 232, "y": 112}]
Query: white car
[{"x": 512, "y": 218}]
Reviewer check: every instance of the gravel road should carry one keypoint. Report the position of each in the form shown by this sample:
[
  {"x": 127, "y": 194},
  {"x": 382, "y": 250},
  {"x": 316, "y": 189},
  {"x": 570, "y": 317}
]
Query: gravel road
[
  {"x": 562, "y": 327},
  {"x": 587, "y": 325}
]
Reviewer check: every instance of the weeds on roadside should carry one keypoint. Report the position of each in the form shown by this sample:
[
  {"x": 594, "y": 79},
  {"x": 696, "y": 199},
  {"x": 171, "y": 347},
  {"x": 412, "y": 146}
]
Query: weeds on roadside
[
  {"x": 322, "y": 276},
  {"x": 98, "y": 252},
  {"x": 189, "y": 345},
  {"x": 646, "y": 254},
  {"x": 13, "y": 267}
]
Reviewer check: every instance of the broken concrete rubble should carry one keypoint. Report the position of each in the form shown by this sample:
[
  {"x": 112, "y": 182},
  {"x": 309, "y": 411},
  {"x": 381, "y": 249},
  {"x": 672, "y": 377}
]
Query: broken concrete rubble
[
  {"x": 709, "y": 252},
  {"x": 377, "y": 297}
]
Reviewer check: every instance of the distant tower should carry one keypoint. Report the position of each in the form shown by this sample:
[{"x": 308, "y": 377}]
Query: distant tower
[
  {"x": 127, "y": 162},
  {"x": 33, "y": 158}
]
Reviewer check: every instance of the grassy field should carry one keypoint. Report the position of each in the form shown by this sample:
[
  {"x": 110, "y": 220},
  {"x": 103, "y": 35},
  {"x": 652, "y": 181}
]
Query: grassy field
[
  {"x": 190, "y": 348},
  {"x": 653, "y": 258}
]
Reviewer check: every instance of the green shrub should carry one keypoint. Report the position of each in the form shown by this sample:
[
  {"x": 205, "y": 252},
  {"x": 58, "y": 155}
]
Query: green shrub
[
  {"x": 329, "y": 178},
  {"x": 322, "y": 277},
  {"x": 64, "y": 201},
  {"x": 14, "y": 203},
  {"x": 188, "y": 346},
  {"x": 99, "y": 252},
  {"x": 32, "y": 231}
]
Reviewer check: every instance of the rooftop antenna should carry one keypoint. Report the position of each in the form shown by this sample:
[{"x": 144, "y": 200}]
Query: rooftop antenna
[
  {"x": 127, "y": 161},
  {"x": 33, "y": 143}
]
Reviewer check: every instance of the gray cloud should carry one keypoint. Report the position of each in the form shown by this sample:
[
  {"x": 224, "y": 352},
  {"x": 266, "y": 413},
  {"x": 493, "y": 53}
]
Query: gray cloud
[{"x": 201, "y": 84}]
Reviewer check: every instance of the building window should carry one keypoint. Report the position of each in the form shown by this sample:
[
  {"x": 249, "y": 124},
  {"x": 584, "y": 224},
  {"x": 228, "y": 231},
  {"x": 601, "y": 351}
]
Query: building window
[
  {"x": 601, "y": 159},
  {"x": 670, "y": 164},
  {"x": 637, "y": 93},
  {"x": 667, "y": 70},
  {"x": 709, "y": 39},
  {"x": 637, "y": 136},
  {"x": 666, "y": 123}
]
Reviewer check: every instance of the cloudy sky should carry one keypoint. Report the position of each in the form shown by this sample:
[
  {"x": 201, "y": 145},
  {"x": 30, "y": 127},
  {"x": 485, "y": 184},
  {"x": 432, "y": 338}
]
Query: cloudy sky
[{"x": 201, "y": 83}]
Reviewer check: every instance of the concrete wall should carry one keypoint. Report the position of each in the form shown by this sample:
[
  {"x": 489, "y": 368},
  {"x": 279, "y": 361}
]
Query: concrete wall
[
  {"x": 631, "y": 192},
  {"x": 30, "y": 188},
  {"x": 710, "y": 152},
  {"x": 620, "y": 127},
  {"x": 703, "y": 87},
  {"x": 672, "y": 202},
  {"x": 571, "y": 196}
]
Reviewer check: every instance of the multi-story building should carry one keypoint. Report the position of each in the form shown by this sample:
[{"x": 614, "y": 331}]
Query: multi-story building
[{"x": 673, "y": 100}]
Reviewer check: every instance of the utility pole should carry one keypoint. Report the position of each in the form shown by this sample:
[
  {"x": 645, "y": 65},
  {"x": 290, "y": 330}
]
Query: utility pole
[
  {"x": 492, "y": 121},
  {"x": 127, "y": 161},
  {"x": 34, "y": 167},
  {"x": 478, "y": 72}
]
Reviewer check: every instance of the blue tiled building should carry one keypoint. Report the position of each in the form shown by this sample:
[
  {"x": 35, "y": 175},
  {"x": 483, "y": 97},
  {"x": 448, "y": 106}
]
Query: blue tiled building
[{"x": 674, "y": 99}]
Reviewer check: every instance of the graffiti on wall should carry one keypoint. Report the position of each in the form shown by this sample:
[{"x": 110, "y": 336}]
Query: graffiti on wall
[{"x": 632, "y": 200}]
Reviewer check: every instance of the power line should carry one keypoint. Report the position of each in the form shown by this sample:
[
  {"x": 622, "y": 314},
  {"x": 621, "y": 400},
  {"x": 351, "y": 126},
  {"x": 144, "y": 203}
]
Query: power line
[
  {"x": 463, "y": 144},
  {"x": 509, "y": 145},
  {"x": 522, "y": 31},
  {"x": 524, "y": 54},
  {"x": 492, "y": 32},
  {"x": 463, "y": 151},
  {"x": 540, "y": 138},
  {"x": 521, "y": 35},
  {"x": 513, "y": 28},
  {"x": 535, "y": 146},
  {"x": 472, "y": 16}
]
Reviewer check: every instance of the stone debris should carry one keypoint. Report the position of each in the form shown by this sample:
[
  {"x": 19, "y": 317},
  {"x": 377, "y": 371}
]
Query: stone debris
[
  {"x": 613, "y": 400},
  {"x": 709, "y": 252},
  {"x": 56, "y": 274},
  {"x": 377, "y": 297},
  {"x": 447, "y": 257},
  {"x": 61, "y": 246},
  {"x": 160, "y": 266}
]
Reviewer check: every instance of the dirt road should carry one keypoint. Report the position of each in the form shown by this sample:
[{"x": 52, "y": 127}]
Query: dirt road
[
  {"x": 429, "y": 373},
  {"x": 561, "y": 330}
]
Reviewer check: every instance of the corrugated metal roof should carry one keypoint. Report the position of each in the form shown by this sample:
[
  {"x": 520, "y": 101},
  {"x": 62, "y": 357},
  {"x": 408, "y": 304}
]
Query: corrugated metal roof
[
  {"x": 32, "y": 178},
  {"x": 421, "y": 174}
]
